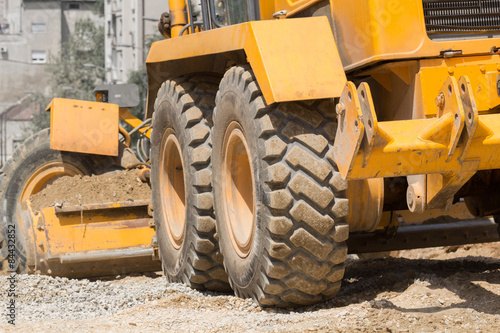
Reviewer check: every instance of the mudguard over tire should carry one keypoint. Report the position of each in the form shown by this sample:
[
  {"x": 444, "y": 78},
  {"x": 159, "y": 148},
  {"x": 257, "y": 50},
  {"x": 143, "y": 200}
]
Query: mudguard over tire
[
  {"x": 280, "y": 202},
  {"x": 181, "y": 183},
  {"x": 32, "y": 167}
]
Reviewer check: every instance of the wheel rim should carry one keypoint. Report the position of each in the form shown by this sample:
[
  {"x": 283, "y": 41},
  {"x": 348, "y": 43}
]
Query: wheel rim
[
  {"x": 173, "y": 190},
  {"x": 46, "y": 175},
  {"x": 365, "y": 214},
  {"x": 237, "y": 186}
]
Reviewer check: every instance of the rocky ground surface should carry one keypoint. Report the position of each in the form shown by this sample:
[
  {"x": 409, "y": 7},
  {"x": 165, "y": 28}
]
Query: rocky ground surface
[{"x": 452, "y": 289}]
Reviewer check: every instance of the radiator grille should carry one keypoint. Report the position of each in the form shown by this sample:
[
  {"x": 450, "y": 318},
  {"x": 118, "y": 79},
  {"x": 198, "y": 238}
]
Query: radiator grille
[{"x": 462, "y": 16}]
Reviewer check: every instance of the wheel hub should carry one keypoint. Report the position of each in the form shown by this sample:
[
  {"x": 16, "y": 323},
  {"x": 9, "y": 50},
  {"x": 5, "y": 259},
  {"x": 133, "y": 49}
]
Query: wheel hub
[
  {"x": 173, "y": 190},
  {"x": 238, "y": 189}
]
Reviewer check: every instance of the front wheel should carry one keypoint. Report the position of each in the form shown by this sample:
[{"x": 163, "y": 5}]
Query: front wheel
[
  {"x": 281, "y": 207},
  {"x": 33, "y": 167}
]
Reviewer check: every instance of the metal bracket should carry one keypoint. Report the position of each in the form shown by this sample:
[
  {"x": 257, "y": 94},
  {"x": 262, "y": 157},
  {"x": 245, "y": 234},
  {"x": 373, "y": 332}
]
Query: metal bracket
[
  {"x": 450, "y": 106},
  {"x": 456, "y": 100},
  {"x": 441, "y": 188},
  {"x": 350, "y": 129},
  {"x": 437, "y": 154},
  {"x": 369, "y": 119},
  {"x": 470, "y": 114},
  {"x": 358, "y": 126}
]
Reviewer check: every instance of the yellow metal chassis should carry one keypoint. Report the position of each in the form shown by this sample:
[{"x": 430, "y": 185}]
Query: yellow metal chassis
[
  {"x": 443, "y": 152},
  {"x": 299, "y": 60}
]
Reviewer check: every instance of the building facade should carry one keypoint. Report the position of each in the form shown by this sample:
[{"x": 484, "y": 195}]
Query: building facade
[
  {"x": 128, "y": 26},
  {"x": 13, "y": 125},
  {"x": 31, "y": 31}
]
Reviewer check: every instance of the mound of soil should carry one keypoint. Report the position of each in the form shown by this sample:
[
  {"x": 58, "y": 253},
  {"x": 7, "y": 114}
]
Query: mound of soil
[{"x": 82, "y": 190}]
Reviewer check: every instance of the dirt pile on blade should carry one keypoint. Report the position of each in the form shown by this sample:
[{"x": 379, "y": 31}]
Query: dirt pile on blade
[{"x": 119, "y": 186}]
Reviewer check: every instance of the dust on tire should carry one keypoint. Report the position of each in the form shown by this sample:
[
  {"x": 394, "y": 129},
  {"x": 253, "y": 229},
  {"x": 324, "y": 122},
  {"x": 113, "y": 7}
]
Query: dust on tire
[{"x": 299, "y": 249}]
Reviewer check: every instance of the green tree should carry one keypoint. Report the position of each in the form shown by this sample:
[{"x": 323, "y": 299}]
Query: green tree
[
  {"x": 99, "y": 7},
  {"x": 139, "y": 77},
  {"x": 69, "y": 77}
]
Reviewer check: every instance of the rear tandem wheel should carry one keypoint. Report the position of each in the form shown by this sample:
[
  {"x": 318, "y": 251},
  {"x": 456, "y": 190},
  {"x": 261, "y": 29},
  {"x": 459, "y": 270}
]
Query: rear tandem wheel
[
  {"x": 280, "y": 202},
  {"x": 181, "y": 183}
]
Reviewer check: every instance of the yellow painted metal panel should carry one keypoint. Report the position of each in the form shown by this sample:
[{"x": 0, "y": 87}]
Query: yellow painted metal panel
[
  {"x": 84, "y": 127},
  {"x": 368, "y": 31},
  {"x": 267, "y": 9},
  {"x": 482, "y": 71},
  {"x": 407, "y": 154},
  {"x": 293, "y": 59},
  {"x": 296, "y": 67},
  {"x": 92, "y": 230}
]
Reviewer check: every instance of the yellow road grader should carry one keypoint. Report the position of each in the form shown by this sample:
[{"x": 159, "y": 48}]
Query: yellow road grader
[{"x": 285, "y": 134}]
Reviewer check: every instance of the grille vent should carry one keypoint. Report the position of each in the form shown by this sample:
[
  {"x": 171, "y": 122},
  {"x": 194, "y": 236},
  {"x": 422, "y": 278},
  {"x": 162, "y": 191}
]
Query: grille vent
[{"x": 462, "y": 16}]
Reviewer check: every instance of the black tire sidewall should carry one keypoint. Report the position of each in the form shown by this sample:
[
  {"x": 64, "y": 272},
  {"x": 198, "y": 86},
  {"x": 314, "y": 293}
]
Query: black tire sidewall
[
  {"x": 232, "y": 108},
  {"x": 168, "y": 118}
]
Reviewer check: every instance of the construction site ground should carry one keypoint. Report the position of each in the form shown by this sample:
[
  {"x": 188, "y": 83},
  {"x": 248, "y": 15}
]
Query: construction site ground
[
  {"x": 432, "y": 290},
  {"x": 452, "y": 289}
]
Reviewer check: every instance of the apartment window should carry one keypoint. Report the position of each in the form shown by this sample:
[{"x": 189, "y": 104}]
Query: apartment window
[
  {"x": 38, "y": 28},
  {"x": 113, "y": 25},
  {"x": 38, "y": 57},
  {"x": 4, "y": 27}
]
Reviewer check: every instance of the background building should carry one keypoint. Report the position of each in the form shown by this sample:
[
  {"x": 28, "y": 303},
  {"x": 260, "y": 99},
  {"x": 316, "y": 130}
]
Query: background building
[
  {"x": 31, "y": 31},
  {"x": 13, "y": 122},
  {"x": 128, "y": 26}
]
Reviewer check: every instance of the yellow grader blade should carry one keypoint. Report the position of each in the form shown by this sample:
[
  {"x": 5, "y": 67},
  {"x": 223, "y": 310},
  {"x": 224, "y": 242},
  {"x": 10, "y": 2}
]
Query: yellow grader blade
[{"x": 90, "y": 240}]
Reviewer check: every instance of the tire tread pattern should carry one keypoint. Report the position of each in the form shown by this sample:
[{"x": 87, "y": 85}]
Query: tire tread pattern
[
  {"x": 305, "y": 255},
  {"x": 195, "y": 98}
]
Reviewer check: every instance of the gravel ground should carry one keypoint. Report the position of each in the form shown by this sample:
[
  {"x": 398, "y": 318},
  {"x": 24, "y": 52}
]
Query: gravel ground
[{"x": 458, "y": 290}]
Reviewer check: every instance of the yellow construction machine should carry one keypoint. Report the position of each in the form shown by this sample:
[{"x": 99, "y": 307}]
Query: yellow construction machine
[
  {"x": 289, "y": 133},
  {"x": 104, "y": 239}
]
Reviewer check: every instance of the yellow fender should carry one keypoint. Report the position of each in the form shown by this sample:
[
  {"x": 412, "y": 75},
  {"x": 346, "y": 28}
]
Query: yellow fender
[{"x": 293, "y": 59}]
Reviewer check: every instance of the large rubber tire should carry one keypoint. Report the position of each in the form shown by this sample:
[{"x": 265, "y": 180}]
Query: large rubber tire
[
  {"x": 296, "y": 248},
  {"x": 185, "y": 229},
  {"x": 33, "y": 156}
]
